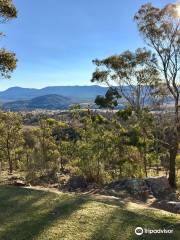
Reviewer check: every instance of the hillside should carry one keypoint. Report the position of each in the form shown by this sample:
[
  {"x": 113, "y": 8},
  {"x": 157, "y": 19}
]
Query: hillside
[
  {"x": 78, "y": 93},
  {"x": 51, "y": 101},
  {"x": 40, "y": 215}
]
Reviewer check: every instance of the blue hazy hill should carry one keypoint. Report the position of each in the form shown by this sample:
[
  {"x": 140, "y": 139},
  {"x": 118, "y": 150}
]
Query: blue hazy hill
[{"x": 77, "y": 93}]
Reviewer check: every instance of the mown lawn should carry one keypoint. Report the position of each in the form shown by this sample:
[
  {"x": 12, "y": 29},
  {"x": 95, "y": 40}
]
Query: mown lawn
[{"x": 27, "y": 214}]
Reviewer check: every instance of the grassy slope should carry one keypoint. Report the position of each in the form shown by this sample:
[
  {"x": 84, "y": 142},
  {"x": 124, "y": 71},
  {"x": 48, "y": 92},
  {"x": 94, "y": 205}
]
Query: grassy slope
[{"x": 31, "y": 214}]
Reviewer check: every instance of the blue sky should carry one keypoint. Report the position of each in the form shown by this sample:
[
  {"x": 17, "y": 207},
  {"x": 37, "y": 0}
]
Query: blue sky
[{"x": 56, "y": 40}]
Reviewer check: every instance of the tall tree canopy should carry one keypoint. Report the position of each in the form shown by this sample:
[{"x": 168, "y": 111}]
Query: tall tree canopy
[
  {"x": 161, "y": 30},
  {"x": 133, "y": 73},
  {"x": 7, "y": 59}
]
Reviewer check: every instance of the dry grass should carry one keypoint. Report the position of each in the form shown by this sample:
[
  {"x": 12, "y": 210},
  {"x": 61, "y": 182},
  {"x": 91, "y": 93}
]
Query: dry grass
[{"x": 27, "y": 214}]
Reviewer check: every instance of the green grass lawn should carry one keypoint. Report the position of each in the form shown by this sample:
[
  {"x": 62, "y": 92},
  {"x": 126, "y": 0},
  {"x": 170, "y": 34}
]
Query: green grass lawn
[{"x": 27, "y": 214}]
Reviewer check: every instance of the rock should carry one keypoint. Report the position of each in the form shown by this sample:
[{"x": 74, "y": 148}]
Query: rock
[
  {"x": 76, "y": 182},
  {"x": 151, "y": 196},
  {"x": 118, "y": 185},
  {"x": 135, "y": 185},
  {"x": 55, "y": 185},
  {"x": 19, "y": 183},
  {"x": 145, "y": 194},
  {"x": 170, "y": 206},
  {"x": 175, "y": 206},
  {"x": 112, "y": 192},
  {"x": 159, "y": 186},
  {"x": 173, "y": 196},
  {"x": 138, "y": 188}
]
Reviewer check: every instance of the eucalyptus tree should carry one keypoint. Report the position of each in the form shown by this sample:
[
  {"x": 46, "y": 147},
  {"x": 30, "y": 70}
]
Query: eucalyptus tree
[
  {"x": 47, "y": 151},
  {"x": 94, "y": 146},
  {"x": 160, "y": 29},
  {"x": 135, "y": 78},
  {"x": 29, "y": 145},
  {"x": 132, "y": 73},
  {"x": 11, "y": 140}
]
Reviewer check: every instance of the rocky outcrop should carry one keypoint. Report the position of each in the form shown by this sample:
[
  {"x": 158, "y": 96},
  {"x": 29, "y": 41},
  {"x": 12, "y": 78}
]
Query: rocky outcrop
[
  {"x": 143, "y": 189},
  {"x": 159, "y": 186},
  {"x": 76, "y": 182},
  {"x": 19, "y": 183},
  {"x": 131, "y": 187},
  {"x": 171, "y": 206}
]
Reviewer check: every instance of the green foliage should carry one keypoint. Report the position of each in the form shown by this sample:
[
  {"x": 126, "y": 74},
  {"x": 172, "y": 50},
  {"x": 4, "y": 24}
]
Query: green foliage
[
  {"x": 125, "y": 113},
  {"x": 47, "y": 153},
  {"x": 7, "y": 63},
  {"x": 7, "y": 10},
  {"x": 7, "y": 59},
  {"x": 161, "y": 30},
  {"x": 134, "y": 73},
  {"x": 11, "y": 140},
  {"x": 75, "y": 107},
  {"x": 102, "y": 148},
  {"x": 108, "y": 146},
  {"x": 110, "y": 100}
]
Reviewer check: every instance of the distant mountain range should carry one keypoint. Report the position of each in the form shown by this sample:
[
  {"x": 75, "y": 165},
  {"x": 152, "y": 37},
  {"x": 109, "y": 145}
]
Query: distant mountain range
[
  {"x": 50, "y": 102},
  {"x": 60, "y": 97},
  {"x": 76, "y": 93}
]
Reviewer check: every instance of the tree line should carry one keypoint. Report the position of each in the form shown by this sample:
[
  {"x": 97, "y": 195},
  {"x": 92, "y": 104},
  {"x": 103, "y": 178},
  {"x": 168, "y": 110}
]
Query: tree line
[
  {"x": 151, "y": 74},
  {"x": 101, "y": 148}
]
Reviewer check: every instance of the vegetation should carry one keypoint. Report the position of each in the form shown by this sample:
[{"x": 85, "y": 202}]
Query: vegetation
[
  {"x": 11, "y": 141},
  {"x": 160, "y": 28},
  {"x": 100, "y": 147},
  {"x": 146, "y": 73},
  {"x": 34, "y": 214},
  {"x": 114, "y": 145},
  {"x": 7, "y": 59}
]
